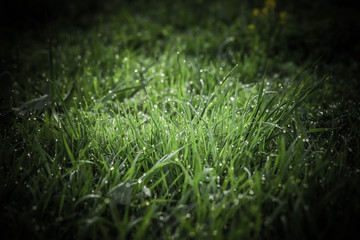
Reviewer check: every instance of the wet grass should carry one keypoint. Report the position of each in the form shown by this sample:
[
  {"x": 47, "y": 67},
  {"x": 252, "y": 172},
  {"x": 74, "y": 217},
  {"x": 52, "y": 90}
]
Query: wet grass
[{"x": 175, "y": 126}]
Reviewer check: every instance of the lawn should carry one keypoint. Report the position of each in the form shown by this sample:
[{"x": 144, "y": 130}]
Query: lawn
[{"x": 179, "y": 120}]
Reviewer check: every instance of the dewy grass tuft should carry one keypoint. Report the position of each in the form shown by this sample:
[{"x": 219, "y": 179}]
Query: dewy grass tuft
[{"x": 172, "y": 131}]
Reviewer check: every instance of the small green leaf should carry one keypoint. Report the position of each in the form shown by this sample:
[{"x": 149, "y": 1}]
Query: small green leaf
[
  {"x": 71, "y": 156},
  {"x": 315, "y": 130}
]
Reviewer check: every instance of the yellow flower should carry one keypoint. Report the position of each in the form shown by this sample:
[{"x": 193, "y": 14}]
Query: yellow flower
[
  {"x": 251, "y": 26},
  {"x": 270, "y": 4},
  {"x": 283, "y": 15},
  {"x": 256, "y": 11}
]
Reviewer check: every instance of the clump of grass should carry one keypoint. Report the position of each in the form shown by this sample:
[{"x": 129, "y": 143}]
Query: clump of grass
[{"x": 182, "y": 140}]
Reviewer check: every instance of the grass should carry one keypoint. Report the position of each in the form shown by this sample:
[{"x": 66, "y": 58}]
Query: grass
[{"x": 145, "y": 125}]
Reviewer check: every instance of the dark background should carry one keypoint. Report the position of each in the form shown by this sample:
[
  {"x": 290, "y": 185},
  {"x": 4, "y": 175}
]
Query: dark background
[{"x": 325, "y": 27}]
